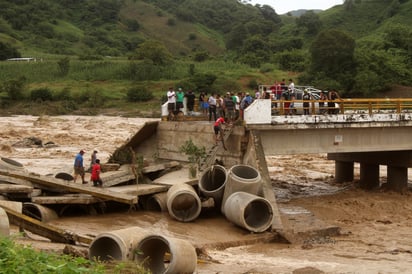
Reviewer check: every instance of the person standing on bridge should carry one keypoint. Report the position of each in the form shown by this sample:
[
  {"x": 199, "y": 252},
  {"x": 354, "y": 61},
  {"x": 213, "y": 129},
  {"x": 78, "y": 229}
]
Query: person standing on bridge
[
  {"x": 333, "y": 95},
  {"x": 171, "y": 103}
]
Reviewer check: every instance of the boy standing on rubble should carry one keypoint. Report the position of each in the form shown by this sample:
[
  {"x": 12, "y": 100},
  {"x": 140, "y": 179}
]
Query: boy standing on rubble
[{"x": 95, "y": 177}]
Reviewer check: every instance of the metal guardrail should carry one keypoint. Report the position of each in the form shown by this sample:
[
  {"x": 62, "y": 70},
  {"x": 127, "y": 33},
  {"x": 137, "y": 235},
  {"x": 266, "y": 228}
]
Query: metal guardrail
[{"x": 346, "y": 106}]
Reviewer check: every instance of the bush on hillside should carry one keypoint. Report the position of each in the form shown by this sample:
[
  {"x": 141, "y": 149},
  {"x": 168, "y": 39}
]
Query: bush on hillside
[
  {"x": 14, "y": 88},
  {"x": 139, "y": 93},
  {"x": 41, "y": 94}
]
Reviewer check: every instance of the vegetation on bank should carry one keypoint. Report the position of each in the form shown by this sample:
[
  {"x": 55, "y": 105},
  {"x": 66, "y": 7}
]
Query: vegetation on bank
[{"x": 16, "y": 258}]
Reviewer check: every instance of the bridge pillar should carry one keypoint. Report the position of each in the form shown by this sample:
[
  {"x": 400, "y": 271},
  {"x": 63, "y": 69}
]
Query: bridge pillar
[
  {"x": 343, "y": 171},
  {"x": 397, "y": 178},
  {"x": 369, "y": 175}
]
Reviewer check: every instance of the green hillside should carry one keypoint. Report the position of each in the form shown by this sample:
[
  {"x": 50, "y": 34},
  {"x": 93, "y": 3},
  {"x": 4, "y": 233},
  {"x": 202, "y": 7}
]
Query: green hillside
[{"x": 361, "y": 47}]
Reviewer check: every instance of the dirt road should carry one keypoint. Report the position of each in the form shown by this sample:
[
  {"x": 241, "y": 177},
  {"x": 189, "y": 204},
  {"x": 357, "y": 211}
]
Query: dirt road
[{"x": 376, "y": 234}]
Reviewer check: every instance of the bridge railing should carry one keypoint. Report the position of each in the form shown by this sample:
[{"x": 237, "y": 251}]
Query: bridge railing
[{"x": 343, "y": 106}]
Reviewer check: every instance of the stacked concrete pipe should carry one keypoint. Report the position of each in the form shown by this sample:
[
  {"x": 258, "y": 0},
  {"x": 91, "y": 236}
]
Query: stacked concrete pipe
[
  {"x": 212, "y": 183},
  {"x": 4, "y": 223},
  {"x": 183, "y": 203},
  {"x": 157, "y": 253},
  {"x": 117, "y": 245},
  {"x": 154, "y": 248},
  {"x": 156, "y": 202},
  {"x": 241, "y": 178},
  {"x": 39, "y": 212},
  {"x": 249, "y": 211},
  {"x": 241, "y": 203}
]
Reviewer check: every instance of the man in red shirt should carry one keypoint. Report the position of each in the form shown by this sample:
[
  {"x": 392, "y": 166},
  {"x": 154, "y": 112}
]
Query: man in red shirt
[
  {"x": 95, "y": 177},
  {"x": 217, "y": 126}
]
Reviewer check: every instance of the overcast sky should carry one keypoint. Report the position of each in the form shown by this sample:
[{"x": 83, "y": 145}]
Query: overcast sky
[{"x": 283, "y": 6}]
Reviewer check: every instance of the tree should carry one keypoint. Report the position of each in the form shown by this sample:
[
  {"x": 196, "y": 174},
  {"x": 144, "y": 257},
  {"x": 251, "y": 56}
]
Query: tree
[
  {"x": 154, "y": 51},
  {"x": 309, "y": 21},
  {"x": 332, "y": 53},
  {"x": 7, "y": 51}
]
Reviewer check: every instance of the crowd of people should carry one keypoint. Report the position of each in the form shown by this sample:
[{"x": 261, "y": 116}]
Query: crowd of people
[{"x": 232, "y": 105}]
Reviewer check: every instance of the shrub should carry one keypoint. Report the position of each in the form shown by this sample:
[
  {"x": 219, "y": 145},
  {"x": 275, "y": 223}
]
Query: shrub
[
  {"x": 14, "y": 88},
  {"x": 41, "y": 94},
  {"x": 139, "y": 93}
]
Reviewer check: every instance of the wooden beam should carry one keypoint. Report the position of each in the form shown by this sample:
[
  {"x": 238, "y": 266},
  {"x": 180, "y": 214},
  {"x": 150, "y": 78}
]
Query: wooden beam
[
  {"x": 101, "y": 193},
  {"x": 66, "y": 199},
  {"x": 53, "y": 233},
  {"x": 8, "y": 188}
]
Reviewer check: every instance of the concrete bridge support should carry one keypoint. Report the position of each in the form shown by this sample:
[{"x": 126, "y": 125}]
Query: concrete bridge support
[
  {"x": 343, "y": 171},
  {"x": 369, "y": 175},
  {"x": 397, "y": 178}
]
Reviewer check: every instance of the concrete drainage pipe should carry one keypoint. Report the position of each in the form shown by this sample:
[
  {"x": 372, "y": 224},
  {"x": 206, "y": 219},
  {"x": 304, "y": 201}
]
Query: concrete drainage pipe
[
  {"x": 4, "y": 223},
  {"x": 157, "y": 202},
  {"x": 241, "y": 178},
  {"x": 9, "y": 164},
  {"x": 249, "y": 211},
  {"x": 212, "y": 183},
  {"x": 117, "y": 245},
  {"x": 167, "y": 255},
  {"x": 183, "y": 203},
  {"x": 39, "y": 212}
]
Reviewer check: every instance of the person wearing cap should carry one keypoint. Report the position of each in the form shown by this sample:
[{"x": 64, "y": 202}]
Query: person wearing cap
[
  {"x": 93, "y": 159},
  {"x": 78, "y": 167}
]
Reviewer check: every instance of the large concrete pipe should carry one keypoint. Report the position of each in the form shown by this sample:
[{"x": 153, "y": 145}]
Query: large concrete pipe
[
  {"x": 249, "y": 211},
  {"x": 156, "y": 202},
  {"x": 183, "y": 203},
  {"x": 241, "y": 178},
  {"x": 6, "y": 163},
  {"x": 4, "y": 223},
  {"x": 167, "y": 255},
  {"x": 212, "y": 183},
  {"x": 64, "y": 176},
  {"x": 39, "y": 212},
  {"x": 116, "y": 245}
]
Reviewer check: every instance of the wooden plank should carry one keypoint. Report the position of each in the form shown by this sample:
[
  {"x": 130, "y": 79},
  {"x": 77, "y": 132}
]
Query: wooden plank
[
  {"x": 101, "y": 193},
  {"x": 159, "y": 167},
  {"x": 53, "y": 233},
  {"x": 82, "y": 199},
  {"x": 140, "y": 189},
  {"x": 16, "y": 181},
  {"x": 180, "y": 176},
  {"x": 123, "y": 178},
  {"x": 8, "y": 188}
]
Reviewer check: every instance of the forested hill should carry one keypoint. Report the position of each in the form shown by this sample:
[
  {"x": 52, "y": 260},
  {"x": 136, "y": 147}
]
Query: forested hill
[
  {"x": 361, "y": 44},
  {"x": 116, "y": 27}
]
